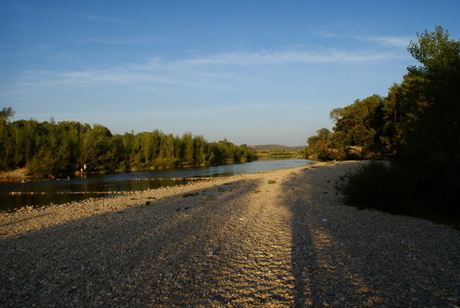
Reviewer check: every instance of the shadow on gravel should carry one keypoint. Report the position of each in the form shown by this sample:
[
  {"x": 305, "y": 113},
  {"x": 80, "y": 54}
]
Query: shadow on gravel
[
  {"x": 320, "y": 279},
  {"x": 343, "y": 257},
  {"x": 172, "y": 253},
  {"x": 160, "y": 254},
  {"x": 12, "y": 223}
]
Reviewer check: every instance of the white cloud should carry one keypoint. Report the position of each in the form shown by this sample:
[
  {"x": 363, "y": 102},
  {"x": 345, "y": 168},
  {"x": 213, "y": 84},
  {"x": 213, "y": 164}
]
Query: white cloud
[
  {"x": 392, "y": 41},
  {"x": 99, "y": 18},
  {"x": 225, "y": 71},
  {"x": 396, "y": 41},
  {"x": 46, "y": 46},
  {"x": 113, "y": 42},
  {"x": 291, "y": 57},
  {"x": 224, "y": 110}
]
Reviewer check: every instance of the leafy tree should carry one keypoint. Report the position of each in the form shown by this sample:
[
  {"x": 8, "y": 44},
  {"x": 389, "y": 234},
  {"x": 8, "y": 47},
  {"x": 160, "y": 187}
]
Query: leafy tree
[
  {"x": 6, "y": 114},
  {"x": 354, "y": 125},
  {"x": 187, "y": 149},
  {"x": 53, "y": 148},
  {"x": 7, "y": 149},
  {"x": 433, "y": 140},
  {"x": 320, "y": 144},
  {"x": 199, "y": 150},
  {"x": 28, "y": 136},
  {"x": 245, "y": 154},
  {"x": 418, "y": 125},
  {"x": 95, "y": 146},
  {"x": 436, "y": 128}
]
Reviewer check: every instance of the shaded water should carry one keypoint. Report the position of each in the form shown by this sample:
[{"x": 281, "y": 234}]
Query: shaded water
[{"x": 52, "y": 191}]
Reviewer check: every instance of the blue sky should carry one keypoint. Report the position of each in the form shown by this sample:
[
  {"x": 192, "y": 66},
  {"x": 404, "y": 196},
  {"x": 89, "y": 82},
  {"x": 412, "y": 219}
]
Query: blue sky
[{"x": 254, "y": 72}]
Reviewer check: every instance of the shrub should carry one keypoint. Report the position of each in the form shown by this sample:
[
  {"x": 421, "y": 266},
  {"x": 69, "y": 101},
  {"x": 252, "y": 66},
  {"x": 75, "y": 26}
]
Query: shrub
[
  {"x": 378, "y": 185},
  {"x": 400, "y": 189}
]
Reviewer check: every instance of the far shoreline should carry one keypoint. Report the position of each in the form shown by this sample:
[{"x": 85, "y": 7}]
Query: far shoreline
[
  {"x": 126, "y": 197},
  {"x": 38, "y": 197},
  {"x": 20, "y": 174}
]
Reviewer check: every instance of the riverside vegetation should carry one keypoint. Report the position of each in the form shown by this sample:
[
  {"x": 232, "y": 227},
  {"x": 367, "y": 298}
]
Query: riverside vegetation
[
  {"x": 416, "y": 126},
  {"x": 50, "y": 148}
]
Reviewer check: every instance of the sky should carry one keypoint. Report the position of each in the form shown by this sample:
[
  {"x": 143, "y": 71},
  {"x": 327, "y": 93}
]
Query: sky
[{"x": 253, "y": 72}]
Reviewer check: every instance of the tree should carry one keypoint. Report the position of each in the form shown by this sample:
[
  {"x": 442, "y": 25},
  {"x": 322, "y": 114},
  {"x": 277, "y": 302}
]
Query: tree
[
  {"x": 438, "y": 55},
  {"x": 354, "y": 124},
  {"x": 95, "y": 146},
  {"x": 50, "y": 148},
  {"x": 433, "y": 140},
  {"x": 436, "y": 128},
  {"x": 418, "y": 125},
  {"x": 199, "y": 150},
  {"x": 320, "y": 144},
  {"x": 187, "y": 149},
  {"x": 402, "y": 107},
  {"x": 26, "y": 136},
  {"x": 7, "y": 147},
  {"x": 6, "y": 114}
]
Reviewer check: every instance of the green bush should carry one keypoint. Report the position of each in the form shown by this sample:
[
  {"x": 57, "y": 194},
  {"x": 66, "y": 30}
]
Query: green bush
[
  {"x": 379, "y": 186},
  {"x": 399, "y": 189}
]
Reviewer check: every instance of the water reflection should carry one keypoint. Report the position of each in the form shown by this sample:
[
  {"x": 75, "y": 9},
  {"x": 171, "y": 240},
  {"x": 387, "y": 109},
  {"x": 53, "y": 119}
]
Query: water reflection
[{"x": 47, "y": 192}]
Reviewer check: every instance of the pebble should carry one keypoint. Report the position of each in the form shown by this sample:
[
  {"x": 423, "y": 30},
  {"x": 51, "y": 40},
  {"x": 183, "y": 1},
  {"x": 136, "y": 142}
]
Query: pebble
[{"x": 227, "y": 246}]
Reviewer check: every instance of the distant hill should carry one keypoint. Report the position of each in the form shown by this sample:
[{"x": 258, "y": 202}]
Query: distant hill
[{"x": 275, "y": 147}]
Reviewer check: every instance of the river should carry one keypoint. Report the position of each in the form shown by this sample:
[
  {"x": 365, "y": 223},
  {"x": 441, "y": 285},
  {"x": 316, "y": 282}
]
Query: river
[{"x": 45, "y": 192}]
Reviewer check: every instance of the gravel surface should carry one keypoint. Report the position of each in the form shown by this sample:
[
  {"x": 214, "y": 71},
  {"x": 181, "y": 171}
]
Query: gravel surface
[{"x": 272, "y": 239}]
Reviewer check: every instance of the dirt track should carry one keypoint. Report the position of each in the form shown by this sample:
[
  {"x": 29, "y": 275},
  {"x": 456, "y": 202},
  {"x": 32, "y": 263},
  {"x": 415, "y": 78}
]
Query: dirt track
[{"x": 230, "y": 242}]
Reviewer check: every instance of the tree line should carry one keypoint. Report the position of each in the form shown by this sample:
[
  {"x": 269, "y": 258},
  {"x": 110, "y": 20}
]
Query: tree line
[
  {"x": 50, "y": 148},
  {"x": 416, "y": 126}
]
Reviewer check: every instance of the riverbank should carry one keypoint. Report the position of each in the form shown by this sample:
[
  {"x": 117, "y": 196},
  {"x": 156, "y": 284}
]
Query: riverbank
[
  {"x": 279, "y": 238},
  {"x": 14, "y": 175}
]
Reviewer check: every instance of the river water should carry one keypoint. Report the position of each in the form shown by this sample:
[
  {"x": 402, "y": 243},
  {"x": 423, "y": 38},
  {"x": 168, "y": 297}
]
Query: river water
[{"x": 42, "y": 193}]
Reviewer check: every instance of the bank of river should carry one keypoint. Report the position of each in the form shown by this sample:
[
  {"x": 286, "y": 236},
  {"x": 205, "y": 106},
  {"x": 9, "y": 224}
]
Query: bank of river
[
  {"x": 281, "y": 238},
  {"x": 14, "y": 195}
]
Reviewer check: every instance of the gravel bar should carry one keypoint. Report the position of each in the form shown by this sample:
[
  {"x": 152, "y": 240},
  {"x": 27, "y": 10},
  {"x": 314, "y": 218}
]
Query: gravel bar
[{"x": 271, "y": 239}]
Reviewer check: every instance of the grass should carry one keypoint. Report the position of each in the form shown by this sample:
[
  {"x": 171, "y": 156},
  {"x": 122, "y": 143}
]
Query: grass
[{"x": 271, "y": 182}]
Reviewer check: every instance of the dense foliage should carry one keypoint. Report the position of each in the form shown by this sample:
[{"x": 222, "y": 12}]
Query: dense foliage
[
  {"x": 417, "y": 126},
  {"x": 52, "y": 148}
]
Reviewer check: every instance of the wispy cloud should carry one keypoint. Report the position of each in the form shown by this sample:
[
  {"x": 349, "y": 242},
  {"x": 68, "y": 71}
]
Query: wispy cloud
[
  {"x": 99, "y": 18},
  {"x": 292, "y": 57},
  {"x": 392, "y": 41},
  {"x": 396, "y": 41},
  {"x": 225, "y": 71},
  {"x": 113, "y": 42},
  {"x": 46, "y": 46}
]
